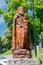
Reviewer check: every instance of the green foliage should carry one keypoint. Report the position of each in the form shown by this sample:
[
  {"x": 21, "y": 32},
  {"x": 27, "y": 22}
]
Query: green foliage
[
  {"x": 38, "y": 9},
  {"x": 42, "y": 34},
  {"x": 1, "y": 11},
  {"x": 37, "y": 24},
  {"x": 8, "y": 17},
  {"x": 7, "y": 1},
  {"x": 42, "y": 38},
  {"x": 6, "y": 40},
  {"x": 15, "y": 3}
]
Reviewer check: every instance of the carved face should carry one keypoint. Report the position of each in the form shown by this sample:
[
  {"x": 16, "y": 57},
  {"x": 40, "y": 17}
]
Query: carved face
[{"x": 20, "y": 10}]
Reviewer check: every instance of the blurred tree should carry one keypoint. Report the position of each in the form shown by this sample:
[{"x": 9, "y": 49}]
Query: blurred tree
[
  {"x": 38, "y": 7},
  {"x": 0, "y": 45},
  {"x": 1, "y": 11},
  {"x": 42, "y": 38},
  {"x": 6, "y": 41}
]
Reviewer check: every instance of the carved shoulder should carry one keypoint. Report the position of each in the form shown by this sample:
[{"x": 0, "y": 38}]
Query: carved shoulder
[{"x": 25, "y": 19}]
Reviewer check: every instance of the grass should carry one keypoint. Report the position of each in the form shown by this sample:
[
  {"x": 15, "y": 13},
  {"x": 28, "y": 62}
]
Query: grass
[
  {"x": 39, "y": 56},
  {"x": 9, "y": 52}
]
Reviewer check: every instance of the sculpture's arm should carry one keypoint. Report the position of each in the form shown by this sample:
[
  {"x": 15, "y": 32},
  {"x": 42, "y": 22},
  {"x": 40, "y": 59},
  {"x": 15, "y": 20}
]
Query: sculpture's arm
[{"x": 30, "y": 43}]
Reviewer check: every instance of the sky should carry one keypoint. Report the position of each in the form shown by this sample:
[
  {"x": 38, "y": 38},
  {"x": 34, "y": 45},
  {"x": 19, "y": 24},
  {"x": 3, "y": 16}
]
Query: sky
[{"x": 3, "y": 28}]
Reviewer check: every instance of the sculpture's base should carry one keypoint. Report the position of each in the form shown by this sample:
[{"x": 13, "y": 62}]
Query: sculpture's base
[
  {"x": 23, "y": 61},
  {"x": 21, "y": 53}
]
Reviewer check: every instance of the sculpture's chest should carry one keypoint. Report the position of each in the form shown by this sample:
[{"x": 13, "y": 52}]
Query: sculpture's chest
[{"x": 21, "y": 22}]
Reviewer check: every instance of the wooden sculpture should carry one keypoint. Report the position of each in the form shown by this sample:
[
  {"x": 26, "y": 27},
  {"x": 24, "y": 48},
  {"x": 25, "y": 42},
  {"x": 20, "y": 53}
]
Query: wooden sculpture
[{"x": 21, "y": 43}]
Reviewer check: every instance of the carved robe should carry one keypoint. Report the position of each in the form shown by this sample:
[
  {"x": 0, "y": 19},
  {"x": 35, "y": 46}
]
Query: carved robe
[{"x": 20, "y": 33}]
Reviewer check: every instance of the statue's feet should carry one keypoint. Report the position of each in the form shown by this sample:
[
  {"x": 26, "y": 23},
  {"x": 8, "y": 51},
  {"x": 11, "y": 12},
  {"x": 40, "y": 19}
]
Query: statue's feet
[{"x": 22, "y": 53}]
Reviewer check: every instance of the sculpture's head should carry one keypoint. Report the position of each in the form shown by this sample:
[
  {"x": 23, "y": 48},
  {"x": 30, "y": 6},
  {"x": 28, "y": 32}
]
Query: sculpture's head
[{"x": 20, "y": 10}]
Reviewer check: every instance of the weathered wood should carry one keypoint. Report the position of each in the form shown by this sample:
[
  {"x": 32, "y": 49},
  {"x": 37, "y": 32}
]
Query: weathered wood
[{"x": 20, "y": 33}]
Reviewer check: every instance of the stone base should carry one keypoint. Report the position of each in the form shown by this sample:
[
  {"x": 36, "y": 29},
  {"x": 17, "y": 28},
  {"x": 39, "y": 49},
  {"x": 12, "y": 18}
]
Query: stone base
[{"x": 23, "y": 61}]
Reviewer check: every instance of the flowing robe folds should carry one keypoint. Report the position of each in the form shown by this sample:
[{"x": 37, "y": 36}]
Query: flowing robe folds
[{"x": 20, "y": 33}]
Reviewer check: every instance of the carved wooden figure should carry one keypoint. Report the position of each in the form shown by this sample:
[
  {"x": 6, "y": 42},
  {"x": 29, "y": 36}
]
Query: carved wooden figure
[{"x": 21, "y": 42}]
